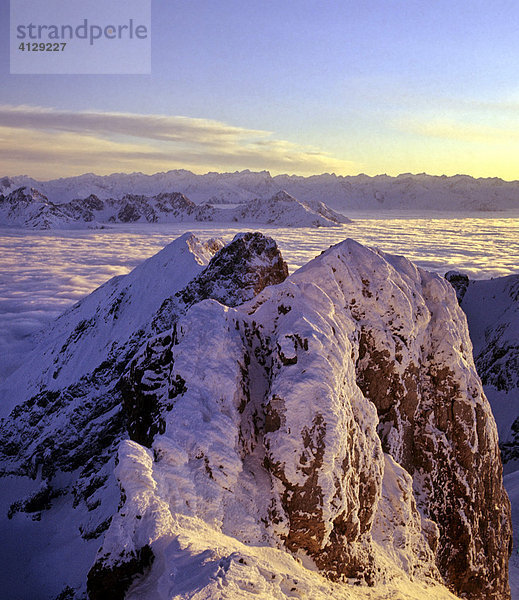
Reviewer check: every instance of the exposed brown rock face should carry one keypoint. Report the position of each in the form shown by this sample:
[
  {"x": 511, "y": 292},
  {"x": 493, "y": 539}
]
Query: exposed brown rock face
[
  {"x": 413, "y": 361},
  {"x": 332, "y": 527},
  {"x": 327, "y": 512},
  {"x": 436, "y": 422}
]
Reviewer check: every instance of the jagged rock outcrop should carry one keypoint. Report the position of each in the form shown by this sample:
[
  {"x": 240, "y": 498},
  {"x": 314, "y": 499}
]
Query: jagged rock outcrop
[
  {"x": 236, "y": 274},
  {"x": 459, "y": 281},
  {"x": 312, "y": 418}
]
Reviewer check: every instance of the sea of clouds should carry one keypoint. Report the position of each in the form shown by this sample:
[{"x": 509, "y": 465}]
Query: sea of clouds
[{"x": 45, "y": 272}]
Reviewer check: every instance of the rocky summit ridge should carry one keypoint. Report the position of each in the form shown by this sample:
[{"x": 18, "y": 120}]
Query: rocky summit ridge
[{"x": 323, "y": 434}]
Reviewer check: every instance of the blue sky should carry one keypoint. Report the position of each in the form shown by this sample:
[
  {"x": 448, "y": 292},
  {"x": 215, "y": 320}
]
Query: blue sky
[{"x": 300, "y": 86}]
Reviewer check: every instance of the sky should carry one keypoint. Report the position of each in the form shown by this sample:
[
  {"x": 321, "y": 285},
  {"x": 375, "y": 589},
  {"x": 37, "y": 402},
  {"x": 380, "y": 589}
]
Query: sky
[{"x": 288, "y": 86}]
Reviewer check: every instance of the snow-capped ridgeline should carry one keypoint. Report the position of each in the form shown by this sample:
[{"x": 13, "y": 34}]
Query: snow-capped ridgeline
[
  {"x": 108, "y": 323},
  {"x": 252, "y": 433},
  {"x": 29, "y": 208},
  {"x": 407, "y": 191}
]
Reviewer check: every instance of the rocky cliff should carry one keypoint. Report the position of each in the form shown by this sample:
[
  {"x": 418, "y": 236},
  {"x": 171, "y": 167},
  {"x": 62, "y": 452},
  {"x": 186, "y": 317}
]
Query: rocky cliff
[
  {"x": 357, "y": 364},
  {"x": 273, "y": 435}
]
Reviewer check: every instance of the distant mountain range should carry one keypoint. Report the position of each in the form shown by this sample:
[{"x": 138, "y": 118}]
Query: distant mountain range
[
  {"x": 30, "y": 208},
  {"x": 360, "y": 192}
]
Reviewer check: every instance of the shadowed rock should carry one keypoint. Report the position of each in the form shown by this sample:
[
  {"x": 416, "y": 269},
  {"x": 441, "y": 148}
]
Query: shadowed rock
[
  {"x": 112, "y": 582},
  {"x": 238, "y": 272}
]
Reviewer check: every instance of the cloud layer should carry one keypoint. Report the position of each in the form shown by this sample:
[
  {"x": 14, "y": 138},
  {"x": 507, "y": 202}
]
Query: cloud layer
[
  {"x": 39, "y": 280},
  {"x": 45, "y": 143}
]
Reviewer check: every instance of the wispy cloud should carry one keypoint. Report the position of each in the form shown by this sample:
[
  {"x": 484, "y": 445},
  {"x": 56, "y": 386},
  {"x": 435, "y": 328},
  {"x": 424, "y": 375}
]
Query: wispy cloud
[
  {"x": 153, "y": 127},
  {"x": 36, "y": 138}
]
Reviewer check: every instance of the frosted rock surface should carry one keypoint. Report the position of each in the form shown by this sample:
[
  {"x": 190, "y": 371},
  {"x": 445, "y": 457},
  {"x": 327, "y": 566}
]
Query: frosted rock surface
[
  {"x": 273, "y": 417},
  {"x": 321, "y": 435}
]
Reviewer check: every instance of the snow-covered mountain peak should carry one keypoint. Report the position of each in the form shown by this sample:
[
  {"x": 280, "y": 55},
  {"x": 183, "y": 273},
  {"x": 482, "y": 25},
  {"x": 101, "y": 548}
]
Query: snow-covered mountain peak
[
  {"x": 284, "y": 209},
  {"x": 249, "y": 263},
  {"x": 27, "y": 195},
  {"x": 28, "y": 207},
  {"x": 177, "y": 258},
  {"x": 104, "y": 326},
  {"x": 333, "y": 417},
  {"x": 236, "y": 273},
  {"x": 283, "y": 196},
  {"x": 298, "y": 393}
]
